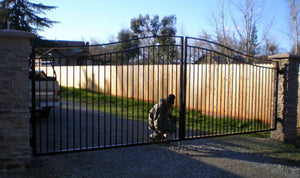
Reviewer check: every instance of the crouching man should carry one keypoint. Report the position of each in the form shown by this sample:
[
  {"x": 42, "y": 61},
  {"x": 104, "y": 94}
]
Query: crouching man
[{"x": 160, "y": 120}]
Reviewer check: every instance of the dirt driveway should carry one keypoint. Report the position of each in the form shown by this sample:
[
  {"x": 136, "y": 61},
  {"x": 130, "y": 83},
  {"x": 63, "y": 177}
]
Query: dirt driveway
[{"x": 231, "y": 156}]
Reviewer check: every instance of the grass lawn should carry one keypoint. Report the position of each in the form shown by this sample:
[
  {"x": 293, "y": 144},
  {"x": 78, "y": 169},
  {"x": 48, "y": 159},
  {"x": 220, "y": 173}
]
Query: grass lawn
[{"x": 138, "y": 109}]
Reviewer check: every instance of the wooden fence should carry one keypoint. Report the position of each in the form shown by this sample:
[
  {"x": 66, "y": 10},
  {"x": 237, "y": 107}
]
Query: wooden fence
[{"x": 234, "y": 90}]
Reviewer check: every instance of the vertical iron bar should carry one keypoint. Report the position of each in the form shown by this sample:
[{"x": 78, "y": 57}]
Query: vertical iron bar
[
  {"x": 195, "y": 97},
  {"x": 93, "y": 103},
  {"x": 183, "y": 88},
  {"x": 235, "y": 97},
  {"x": 259, "y": 98},
  {"x": 247, "y": 78},
  {"x": 153, "y": 73},
  {"x": 243, "y": 94},
  {"x": 80, "y": 113},
  {"x": 143, "y": 116},
  {"x": 53, "y": 99},
  {"x": 256, "y": 98},
  {"x": 122, "y": 88},
  {"x": 210, "y": 92},
  {"x": 99, "y": 118},
  {"x": 213, "y": 98},
  {"x": 240, "y": 102},
  {"x": 189, "y": 94},
  {"x": 132, "y": 119},
  {"x": 104, "y": 124},
  {"x": 201, "y": 93},
  {"x": 276, "y": 94},
  {"x": 67, "y": 99},
  {"x": 60, "y": 109},
  {"x": 73, "y": 97},
  {"x": 216, "y": 87},
  {"x": 170, "y": 71},
  {"x": 226, "y": 87},
  {"x": 266, "y": 98},
  {"x": 234, "y": 93},
  {"x": 271, "y": 95},
  {"x": 33, "y": 104},
  {"x": 261, "y": 91},
  {"x": 251, "y": 83},
  {"x": 158, "y": 73},
  {"x": 116, "y": 94},
  {"x": 245, "y": 99},
  {"x": 47, "y": 120},
  {"x": 229, "y": 87},
  {"x": 138, "y": 97},
  {"x": 197, "y": 94},
  {"x": 254, "y": 104},
  {"x": 127, "y": 118},
  {"x": 247, "y": 103},
  {"x": 221, "y": 92},
  {"x": 110, "y": 100},
  {"x": 174, "y": 86},
  {"x": 149, "y": 57},
  {"x": 40, "y": 105},
  {"x": 263, "y": 100},
  {"x": 205, "y": 91},
  {"x": 268, "y": 95},
  {"x": 86, "y": 105}
]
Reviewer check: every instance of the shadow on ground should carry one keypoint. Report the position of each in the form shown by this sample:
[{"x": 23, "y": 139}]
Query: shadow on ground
[{"x": 234, "y": 156}]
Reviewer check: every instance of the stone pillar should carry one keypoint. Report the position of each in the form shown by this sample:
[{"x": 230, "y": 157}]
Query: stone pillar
[
  {"x": 288, "y": 98},
  {"x": 14, "y": 100}
]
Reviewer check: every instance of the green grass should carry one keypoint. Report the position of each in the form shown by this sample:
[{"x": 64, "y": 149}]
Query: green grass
[
  {"x": 265, "y": 134},
  {"x": 122, "y": 107},
  {"x": 138, "y": 109}
]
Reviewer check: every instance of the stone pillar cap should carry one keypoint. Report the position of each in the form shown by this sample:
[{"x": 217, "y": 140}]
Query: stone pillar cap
[{"x": 283, "y": 56}]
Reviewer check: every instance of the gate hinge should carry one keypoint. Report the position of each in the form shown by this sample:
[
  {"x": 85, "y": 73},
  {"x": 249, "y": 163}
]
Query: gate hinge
[
  {"x": 279, "y": 120},
  {"x": 280, "y": 72}
]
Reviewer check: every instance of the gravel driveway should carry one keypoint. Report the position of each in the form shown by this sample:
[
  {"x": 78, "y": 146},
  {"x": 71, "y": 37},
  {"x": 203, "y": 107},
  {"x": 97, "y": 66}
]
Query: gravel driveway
[{"x": 231, "y": 156}]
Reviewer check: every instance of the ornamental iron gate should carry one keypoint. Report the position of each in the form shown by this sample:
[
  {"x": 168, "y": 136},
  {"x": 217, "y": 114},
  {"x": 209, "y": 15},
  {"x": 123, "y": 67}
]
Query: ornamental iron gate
[{"x": 98, "y": 96}]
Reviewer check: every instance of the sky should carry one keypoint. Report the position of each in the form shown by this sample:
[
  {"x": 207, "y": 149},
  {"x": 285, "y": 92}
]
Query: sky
[{"x": 101, "y": 21}]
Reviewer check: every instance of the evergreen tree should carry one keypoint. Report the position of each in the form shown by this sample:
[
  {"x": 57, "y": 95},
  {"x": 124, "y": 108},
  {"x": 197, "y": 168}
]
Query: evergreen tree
[
  {"x": 128, "y": 45},
  {"x": 144, "y": 26},
  {"x": 24, "y": 15},
  {"x": 253, "y": 45}
]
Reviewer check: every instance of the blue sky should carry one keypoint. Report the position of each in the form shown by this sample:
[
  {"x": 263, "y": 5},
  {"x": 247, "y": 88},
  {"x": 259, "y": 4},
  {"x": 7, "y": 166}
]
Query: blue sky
[{"x": 102, "y": 20}]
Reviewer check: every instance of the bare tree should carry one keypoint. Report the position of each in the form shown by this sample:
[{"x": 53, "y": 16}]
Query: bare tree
[
  {"x": 238, "y": 25},
  {"x": 223, "y": 34},
  {"x": 294, "y": 22},
  {"x": 219, "y": 23},
  {"x": 272, "y": 47},
  {"x": 246, "y": 28}
]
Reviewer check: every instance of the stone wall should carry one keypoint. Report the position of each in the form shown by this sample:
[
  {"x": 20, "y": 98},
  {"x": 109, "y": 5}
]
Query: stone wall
[
  {"x": 14, "y": 100},
  {"x": 288, "y": 98}
]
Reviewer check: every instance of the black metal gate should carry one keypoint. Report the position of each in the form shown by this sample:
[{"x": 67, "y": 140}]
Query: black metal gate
[{"x": 98, "y": 96}]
